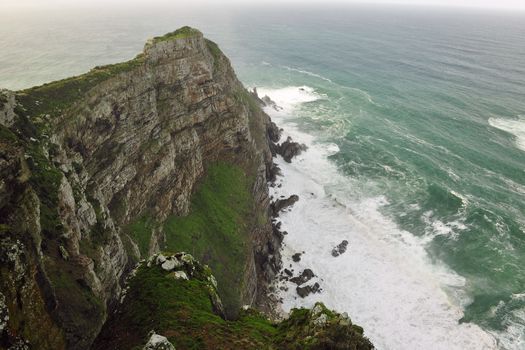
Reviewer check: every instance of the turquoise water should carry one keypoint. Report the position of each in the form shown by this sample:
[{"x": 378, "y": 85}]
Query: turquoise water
[{"x": 427, "y": 109}]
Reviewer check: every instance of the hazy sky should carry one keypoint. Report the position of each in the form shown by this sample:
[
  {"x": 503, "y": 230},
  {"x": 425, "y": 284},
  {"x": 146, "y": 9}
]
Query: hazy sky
[{"x": 509, "y": 4}]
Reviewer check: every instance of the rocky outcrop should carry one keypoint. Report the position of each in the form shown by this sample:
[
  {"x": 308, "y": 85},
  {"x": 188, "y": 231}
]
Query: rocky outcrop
[
  {"x": 84, "y": 160},
  {"x": 284, "y": 203},
  {"x": 289, "y": 149},
  {"x": 304, "y": 291},
  {"x": 340, "y": 248},
  {"x": 182, "y": 314}
]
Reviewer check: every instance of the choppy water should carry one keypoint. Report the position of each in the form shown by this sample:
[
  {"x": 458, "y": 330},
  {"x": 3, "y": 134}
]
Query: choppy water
[{"x": 415, "y": 122}]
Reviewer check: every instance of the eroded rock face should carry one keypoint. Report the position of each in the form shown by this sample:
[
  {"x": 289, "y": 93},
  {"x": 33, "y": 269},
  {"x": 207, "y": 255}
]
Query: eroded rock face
[
  {"x": 84, "y": 162},
  {"x": 304, "y": 277},
  {"x": 305, "y": 291}
]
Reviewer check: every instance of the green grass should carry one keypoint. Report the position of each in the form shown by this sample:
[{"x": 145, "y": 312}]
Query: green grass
[
  {"x": 183, "y": 32},
  {"x": 182, "y": 311},
  {"x": 216, "y": 231},
  {"x": 140, "y": 230},
  {"x": 56, "y": 97}
]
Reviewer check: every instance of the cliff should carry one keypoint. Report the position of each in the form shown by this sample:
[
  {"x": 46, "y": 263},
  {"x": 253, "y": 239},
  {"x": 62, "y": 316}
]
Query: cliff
[{"x": 165, "y": 152}]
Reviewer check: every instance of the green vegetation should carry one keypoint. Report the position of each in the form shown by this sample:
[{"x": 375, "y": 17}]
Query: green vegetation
[
  {"x": 216, "y": 231},
  {"x": 56, "y": 97},
  {"x": 141, "y": 230},
  {"x": 182, "y": 311},
  {"x": 215, "y": 52},
  {"x": 183, "y": 32}
]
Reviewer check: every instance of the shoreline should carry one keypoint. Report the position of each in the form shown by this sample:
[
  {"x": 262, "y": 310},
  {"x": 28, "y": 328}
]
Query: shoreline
[{"x": 371, "y": 281}]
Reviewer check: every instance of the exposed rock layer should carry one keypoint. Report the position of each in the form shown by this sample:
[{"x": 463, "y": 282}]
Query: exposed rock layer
[{"x": 81, "y": 159}]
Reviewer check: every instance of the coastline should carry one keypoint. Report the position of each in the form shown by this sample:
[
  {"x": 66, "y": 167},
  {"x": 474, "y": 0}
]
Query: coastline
[{"x": 385, "y": 280}]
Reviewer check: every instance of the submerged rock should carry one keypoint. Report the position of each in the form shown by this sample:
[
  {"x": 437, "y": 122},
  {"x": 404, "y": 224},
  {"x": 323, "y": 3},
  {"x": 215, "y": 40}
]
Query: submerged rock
[{"x": 340, "y": 248}]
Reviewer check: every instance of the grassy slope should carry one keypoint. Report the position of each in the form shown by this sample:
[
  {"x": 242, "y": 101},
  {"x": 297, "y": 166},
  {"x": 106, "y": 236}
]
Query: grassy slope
[
  {"x": 182, "y": 311},
  {"x": 216, "y": 231}
]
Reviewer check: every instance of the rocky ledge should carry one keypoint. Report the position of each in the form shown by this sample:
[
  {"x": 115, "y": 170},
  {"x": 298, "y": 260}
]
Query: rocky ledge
[
  {"x": 165, "y": 152},
  {"x": 171, "y": 301}
]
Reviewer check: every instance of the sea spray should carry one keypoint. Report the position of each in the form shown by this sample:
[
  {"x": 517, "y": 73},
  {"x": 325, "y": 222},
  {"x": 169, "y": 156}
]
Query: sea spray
[{"x": 386, "y": 280}]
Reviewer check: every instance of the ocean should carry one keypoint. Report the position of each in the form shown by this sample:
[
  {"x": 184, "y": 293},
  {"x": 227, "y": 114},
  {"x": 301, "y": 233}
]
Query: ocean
[{"x": 414, "y": 120}]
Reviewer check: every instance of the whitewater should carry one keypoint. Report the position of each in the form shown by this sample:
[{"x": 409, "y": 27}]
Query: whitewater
[{"x": 386, "y": 280}]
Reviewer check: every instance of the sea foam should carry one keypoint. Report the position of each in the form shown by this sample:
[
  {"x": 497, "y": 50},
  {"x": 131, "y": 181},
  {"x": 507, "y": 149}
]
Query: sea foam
[
  {"x": 514, "y": 126},
  {"x": 385, "y": 280}
]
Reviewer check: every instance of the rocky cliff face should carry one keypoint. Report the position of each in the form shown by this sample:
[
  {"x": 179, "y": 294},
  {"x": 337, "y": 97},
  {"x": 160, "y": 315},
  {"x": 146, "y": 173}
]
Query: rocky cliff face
[{"x": 93, "y": 167}]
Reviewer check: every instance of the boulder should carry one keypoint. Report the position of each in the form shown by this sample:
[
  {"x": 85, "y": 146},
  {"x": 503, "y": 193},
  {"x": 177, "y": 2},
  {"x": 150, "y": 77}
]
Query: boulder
[
  {"x": 303, "y": 292},
  {"x": 289, "y": 149},
  {"x": 304, "y": 277},
  {"x": 158, "y": 342},
  {"x": 340, "y": 248},
  {"x": 296, "y": 257}
]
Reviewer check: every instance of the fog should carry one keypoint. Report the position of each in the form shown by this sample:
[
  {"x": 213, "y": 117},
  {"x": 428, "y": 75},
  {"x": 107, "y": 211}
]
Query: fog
[{"x": 503, "y": 4}]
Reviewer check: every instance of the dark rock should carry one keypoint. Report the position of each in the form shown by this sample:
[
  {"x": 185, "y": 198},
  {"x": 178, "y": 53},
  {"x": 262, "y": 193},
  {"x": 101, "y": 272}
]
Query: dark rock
[
  {"x": 288, "y": 272},
  {"x": 307, "y": 290},
  {"x": 268, "y": 102},
  {"x": 273, "y": 172},
  {"x": 281, "y": 204},
  {"x": 340, "y": 248},
  {"x": 304, "y": 277},
  {"x": 274, "y": 133},
  {"x": 296, "y": 257},
  {"x": 289, "y": 149}
]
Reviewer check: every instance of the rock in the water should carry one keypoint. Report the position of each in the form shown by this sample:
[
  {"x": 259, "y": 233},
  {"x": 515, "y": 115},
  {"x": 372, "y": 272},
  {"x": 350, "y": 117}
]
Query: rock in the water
[
  {"x": 289, "y": 149},
  {"x": 268, "y": 102},
  {"x": 304, "y": 277},
  {"x": 158, "y": 342},
  {"x": 340, "y": 248},
  {"x": 296, "y": 257},
  {"x": 281, "y": 204},
  {"x": 307, "y": 290}
]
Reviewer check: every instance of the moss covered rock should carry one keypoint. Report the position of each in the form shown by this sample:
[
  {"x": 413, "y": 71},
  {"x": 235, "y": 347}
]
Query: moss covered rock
[{"x": 187, "y": 311}]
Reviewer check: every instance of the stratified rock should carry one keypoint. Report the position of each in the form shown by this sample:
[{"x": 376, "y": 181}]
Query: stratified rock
[
  {"x": 282, "y": 204},
  {"x": 304, "y": 277},
  {"x": 340, "y": 248},
  {"x": 85, "y": 161},
  {"x": 289, "y": 149},
  {"x": 171, "y": 263},
  {"x": 303, "y": 292},
  {"x": 158, "y": 342}
]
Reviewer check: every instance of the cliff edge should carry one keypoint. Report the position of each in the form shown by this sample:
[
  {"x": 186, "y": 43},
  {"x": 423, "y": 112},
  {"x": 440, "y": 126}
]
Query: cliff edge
[{"x": 165, "y": 152}]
